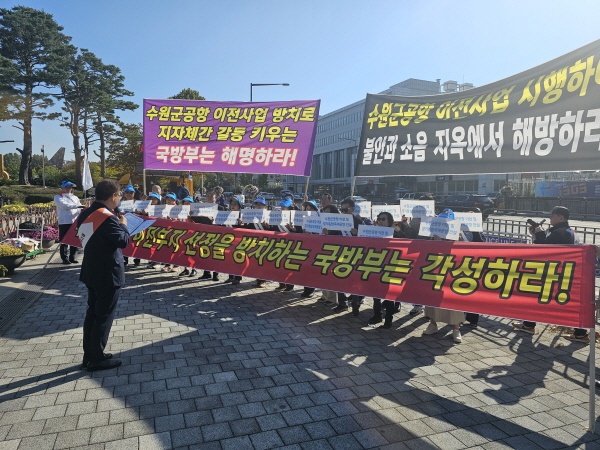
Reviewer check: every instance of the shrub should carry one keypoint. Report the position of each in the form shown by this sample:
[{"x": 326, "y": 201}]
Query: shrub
[{"x": 9, "y": 250}]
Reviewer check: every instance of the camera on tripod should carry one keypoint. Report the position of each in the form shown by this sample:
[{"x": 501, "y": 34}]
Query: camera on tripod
[{"x": 533, "y": 225}]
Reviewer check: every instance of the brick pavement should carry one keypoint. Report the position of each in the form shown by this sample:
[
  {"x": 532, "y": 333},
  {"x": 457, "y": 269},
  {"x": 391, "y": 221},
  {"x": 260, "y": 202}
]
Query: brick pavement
[{"x": 213, "y": 366}]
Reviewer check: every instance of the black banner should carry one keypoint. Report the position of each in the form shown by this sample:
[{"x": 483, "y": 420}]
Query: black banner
[{"x": 546, "y": 119}]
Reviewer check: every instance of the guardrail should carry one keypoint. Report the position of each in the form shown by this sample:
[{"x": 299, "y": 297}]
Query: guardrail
[
  {"x": 587, "y": 208},
  {"x": 585, "y": 235}
]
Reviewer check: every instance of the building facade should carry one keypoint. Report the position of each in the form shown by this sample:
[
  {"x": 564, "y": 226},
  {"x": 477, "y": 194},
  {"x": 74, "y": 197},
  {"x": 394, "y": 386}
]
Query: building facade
[{"x": 335, "y": 152}]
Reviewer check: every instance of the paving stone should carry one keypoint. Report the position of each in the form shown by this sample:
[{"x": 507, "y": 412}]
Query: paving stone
[
  {"x": 267, "y": 439},
  {"x": 70, "y": 439}
]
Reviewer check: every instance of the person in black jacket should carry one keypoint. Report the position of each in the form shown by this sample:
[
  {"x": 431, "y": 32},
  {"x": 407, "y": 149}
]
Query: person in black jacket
[
  {"x": 102, "y": 271},
  {"x": 558, "y": 233}
]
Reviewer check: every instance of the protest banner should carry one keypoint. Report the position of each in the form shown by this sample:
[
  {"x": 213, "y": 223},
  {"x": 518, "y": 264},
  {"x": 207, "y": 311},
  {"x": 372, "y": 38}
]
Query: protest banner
[
  {"x": 545, "y": 119},
  {"x": 544, "y": 283},
  {"x": 238, "y": 137}
]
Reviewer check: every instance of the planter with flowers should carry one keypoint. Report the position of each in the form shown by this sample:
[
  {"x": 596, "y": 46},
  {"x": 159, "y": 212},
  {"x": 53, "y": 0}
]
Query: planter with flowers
[
  {"x": 10, "y": 258},
  {"x": 32, "y": 231}
]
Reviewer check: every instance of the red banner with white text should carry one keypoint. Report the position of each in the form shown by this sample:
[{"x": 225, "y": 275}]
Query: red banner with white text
[{"x": 543, "y": 283}]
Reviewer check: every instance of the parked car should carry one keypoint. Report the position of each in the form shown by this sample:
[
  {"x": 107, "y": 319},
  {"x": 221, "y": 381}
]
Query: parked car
[
  {"x": 358, "y": 198},
  {"x": 467, "y": 202},
  {"x": 267, "y": 195}
]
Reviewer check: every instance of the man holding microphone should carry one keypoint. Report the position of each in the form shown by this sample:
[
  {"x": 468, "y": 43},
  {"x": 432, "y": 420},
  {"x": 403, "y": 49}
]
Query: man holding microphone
[{"x": 103, "y": 233}]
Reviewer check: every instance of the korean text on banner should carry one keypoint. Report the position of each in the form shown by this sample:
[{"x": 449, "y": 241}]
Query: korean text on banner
[
  {"x": 192, "y": 135},
  {"x": 545, "y": 119},
  {"x": 544, "y": 283}
]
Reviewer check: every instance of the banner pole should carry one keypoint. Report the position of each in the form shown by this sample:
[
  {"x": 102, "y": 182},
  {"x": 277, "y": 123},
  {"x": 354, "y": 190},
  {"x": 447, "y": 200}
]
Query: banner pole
[
  {"x": 144, "y": 181},
  {"x": 306, "y": 186},
  {"x": 592, "y": 380},
  {"x": 352, "y": 186}
]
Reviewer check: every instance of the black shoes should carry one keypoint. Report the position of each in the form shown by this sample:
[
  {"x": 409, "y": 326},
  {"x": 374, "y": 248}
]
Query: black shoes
[
  {"x": 184, "y": 272},
  {"x": 339, "y": 308},
  {"x": 73, "y": 261},
  {"x": 281, "y": 286},
  {"x": 105, "y": 364},
  {"x": 66, "y": 261},
  {"x": 374, "y": 320},
  {"x": 205, "y": 276},
  {"x": 85, "y": 361},
  {"x": 215, "y": 276},
  {"x": 355, "y": 309},
  {"x": 288, "y": 288},
  {"x": 307, "y": 293}
]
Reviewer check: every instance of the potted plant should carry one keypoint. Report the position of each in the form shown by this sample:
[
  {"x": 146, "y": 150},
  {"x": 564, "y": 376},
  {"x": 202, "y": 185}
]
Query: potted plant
[{"x": 11, "y": 257}]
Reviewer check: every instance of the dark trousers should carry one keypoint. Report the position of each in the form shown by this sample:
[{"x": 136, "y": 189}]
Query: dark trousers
[
  {"x": 64, "y": 253},
  {"x": 102, "y": 303},
  {"x": 388, "y": 305},
  {"x": 474, "y": 318}
]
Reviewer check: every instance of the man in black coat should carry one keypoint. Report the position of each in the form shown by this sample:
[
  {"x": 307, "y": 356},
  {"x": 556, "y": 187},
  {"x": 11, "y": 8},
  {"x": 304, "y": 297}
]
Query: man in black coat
[
  {"x": 103, "y": 235},
  {"x": 558, "y": 233}
]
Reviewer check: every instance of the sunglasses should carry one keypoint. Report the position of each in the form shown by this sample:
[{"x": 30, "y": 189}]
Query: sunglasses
[{"x": 344, "y": 210}]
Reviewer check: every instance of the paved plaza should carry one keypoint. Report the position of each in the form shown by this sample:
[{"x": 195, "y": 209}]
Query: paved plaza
[{"x": 213, "y": 366}]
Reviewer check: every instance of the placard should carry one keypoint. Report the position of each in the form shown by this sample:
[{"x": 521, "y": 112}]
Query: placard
[
  {"x": 374, "y": 231},
  {"x": 469, "y": 221},
  {"x": 441, "y": 227},
  {"x": 338, "y": 222},
  {"x": 312, "y": 222},
  {"x": 362, "y": 209},
  {"x": 417, "y": 208},
  {"x": 279, "y": 217},
  {"x": 126, "y": 205},
  {"x": 394, "y": 210},
  {"x": 204, "y": 209},
  {"x": 229, "y": 218},
  {"x": 141, "y": 205}
]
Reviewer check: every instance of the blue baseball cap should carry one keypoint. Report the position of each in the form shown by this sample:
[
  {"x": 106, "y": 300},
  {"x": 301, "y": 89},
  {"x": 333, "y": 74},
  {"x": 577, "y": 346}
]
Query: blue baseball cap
[
  {"x": 312, "y": 204},
  {"x": 188, "y": 199},
  {"x": 154, "y": 195},
  {"x": 65, "y": 184},
  {"x": 260, "y": 200},
  {"x": 287, "y": 203},
  {"x": 129, "y": 188},
  {"x": 171, "y": 196},
  {"x": 447, "y": 214}
]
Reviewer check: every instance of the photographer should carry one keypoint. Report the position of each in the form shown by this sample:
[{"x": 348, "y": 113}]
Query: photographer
[{"x": 558, "y": 233}]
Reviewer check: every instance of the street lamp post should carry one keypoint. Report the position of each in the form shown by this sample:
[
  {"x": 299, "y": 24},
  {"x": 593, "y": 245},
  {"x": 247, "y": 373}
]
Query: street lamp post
[
  {"x": 265, "y": 84},
  {"x": 43, "y": 168}
]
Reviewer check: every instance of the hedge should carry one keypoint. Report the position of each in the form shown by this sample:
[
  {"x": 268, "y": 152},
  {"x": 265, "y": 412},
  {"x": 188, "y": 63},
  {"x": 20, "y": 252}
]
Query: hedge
[{"x": 29, "y": 195}]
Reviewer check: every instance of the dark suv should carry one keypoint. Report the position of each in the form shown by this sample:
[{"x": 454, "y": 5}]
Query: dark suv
[{"x": 467, "y": 202}]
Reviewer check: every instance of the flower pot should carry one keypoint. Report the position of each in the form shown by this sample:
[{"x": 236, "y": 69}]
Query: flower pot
[
  {"x": 47, "y": 243},
  {"x": 12, "y": 262}
]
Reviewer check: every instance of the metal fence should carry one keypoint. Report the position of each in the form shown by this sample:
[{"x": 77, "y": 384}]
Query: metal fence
[
  {"x": 519, "y": 230},
  {"x": 587, "y": 208}
]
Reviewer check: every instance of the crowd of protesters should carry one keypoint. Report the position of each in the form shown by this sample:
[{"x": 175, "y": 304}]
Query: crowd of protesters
[{"x": 383, "y": 310}]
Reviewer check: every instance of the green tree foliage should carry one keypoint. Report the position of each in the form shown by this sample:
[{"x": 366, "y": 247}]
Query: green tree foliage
[
  {"x": 33, "y": 50},
  {"x": 125, "y": 147},
  {"x": 188, "y": 94},
  {"x": 263, "y": 181}
]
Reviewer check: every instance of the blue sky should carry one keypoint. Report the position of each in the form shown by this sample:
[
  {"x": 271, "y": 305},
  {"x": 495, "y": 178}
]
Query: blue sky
[{"x": 333, "y": 50}]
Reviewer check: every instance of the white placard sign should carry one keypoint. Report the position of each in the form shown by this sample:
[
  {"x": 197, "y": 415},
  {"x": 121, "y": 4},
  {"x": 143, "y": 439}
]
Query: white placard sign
[
  {"x": 298, "y": 217},
  {"x": 437, "y": 226},
  {"x": 126, "y": 205},
  {"x": 339, "y": 222},
  {"x": 204, "y": 209},
  {"x": 159, "y": 211},
  {"x": 312, "y": 223},
  {"x": 469, "y": 221},
  {"x": 394, "y": 210},
  {"x": 141, "y": 205},
  {"x": 180, "y": 212},
  {"x": 362, "y": 209},
  {"x": 228, "y": 218},
  {"x": 373, "y": 231},
  {"x": 254, "y": 215},
  {"x": 417, "y": 208},
  {"x": 279, "y": 217}
]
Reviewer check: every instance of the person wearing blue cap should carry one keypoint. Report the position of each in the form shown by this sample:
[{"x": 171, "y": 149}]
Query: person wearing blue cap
[
  {"x": 68, "y": 207},
  {"x": 129, "y": 194},
  {"x": 186, "y": 271}
]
